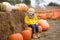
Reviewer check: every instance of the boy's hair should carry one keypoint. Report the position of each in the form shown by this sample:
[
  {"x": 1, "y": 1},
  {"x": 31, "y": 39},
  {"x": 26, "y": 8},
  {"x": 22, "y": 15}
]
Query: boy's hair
[{"x": 31, "y": 9}]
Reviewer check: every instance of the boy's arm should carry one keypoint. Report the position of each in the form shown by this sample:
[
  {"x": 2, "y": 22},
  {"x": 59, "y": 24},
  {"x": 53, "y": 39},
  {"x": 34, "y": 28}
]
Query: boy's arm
[
  {"x": 36, "y": 19},
  {"x": 26, "y": 20}
]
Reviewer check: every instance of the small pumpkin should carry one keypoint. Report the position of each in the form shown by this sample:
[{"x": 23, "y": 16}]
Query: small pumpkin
[{"x": 16, "y": 36}]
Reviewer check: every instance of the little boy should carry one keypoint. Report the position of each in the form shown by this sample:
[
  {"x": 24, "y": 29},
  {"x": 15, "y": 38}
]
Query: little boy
[{"x": 31, "y": 20}]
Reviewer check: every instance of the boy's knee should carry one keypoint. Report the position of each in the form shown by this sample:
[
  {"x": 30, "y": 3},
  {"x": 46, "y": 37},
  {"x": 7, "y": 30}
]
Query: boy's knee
[{"x": 36, "y": 25}]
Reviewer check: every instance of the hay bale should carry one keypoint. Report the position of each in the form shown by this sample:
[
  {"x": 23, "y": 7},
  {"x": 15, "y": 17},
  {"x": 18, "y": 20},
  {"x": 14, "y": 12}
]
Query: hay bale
[
  {"x": 2, "y": 7},
  {"x": 19, "y": 17},
  {"x": 5, "y": 26},
  {"x": 10, "y": 23}
]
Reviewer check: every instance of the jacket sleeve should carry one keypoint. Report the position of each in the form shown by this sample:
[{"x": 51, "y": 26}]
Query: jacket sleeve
[
  {"x": 26, "y": 20},
  {"x": 36, "y": 19}
]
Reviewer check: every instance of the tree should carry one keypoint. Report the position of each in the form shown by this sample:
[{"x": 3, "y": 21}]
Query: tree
[
  {"x": 52, "y": 4},
  {"x": 2, "y": 1},
  {"x": 27, "y": 2}
]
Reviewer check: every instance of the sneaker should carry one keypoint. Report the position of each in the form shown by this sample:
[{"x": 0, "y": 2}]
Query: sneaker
[
  {"x": 38, "y": 35},
  {"x": 35, "y": 36}
]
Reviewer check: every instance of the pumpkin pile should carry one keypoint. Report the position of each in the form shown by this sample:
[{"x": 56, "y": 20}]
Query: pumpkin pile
[
  {"x": 49, "y": 14},
  {"x": 27, "y": 33},
  {"x": 24, "y": 35},
  {"x": 7, "y": 7}
]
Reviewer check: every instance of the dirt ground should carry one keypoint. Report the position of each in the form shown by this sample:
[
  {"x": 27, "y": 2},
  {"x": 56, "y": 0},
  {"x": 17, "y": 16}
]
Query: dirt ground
[{"x": 53, "y": 33}]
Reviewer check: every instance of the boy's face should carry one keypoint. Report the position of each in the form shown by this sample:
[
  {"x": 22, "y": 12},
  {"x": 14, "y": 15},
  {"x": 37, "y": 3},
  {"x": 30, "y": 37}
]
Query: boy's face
[{"x": 31, "y": 12}]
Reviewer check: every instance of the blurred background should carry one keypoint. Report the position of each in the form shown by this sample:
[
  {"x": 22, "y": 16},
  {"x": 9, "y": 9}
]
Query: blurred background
[
  {"x": 43, "y": 4},
  {"x": 12, "y": 14}
]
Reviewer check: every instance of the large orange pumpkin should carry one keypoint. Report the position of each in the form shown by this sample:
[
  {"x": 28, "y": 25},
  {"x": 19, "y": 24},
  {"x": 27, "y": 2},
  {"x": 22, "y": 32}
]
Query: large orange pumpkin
[
  {"x": 29, "y": 28},
  {"x": 44, "y": 24},
  {"x": 39, "y": 29},
  {"x": 16, "y": 36},
  {"x": 22, "y": 7},
  {"x": 18, "y": 7},
  {"x": 26, "y": 35}
]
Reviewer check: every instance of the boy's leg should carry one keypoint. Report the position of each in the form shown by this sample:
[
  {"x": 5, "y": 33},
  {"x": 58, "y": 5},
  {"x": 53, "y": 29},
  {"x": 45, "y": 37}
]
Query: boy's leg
[
  {"x": 33, "y": 28},
  {"x": 33, "y": 31},
  {"x": 36, "y": 27}
]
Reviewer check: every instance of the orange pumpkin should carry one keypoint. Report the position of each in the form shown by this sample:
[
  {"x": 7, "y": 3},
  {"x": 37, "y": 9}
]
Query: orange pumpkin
[
  {"x": 43, "y": 16},
  {"x": 26, "y": 35},
  {"x": 55, "y": 15},
  {"x": 16, "y": 36},
  {"x": 45, "y": 28},
  {"x": 39, "y": 29},
  {"x": 59, "y": 14},
  {"x": 22, "y": 7},
  {"x": 25, "y": 8},
  {"x": 29, "y": 28},
  {"x": 44, "y": 24},
  {"x": 19, "y": 8},
  {"x": 38, "y": 16},
  {"x": 49, "y": 15}
]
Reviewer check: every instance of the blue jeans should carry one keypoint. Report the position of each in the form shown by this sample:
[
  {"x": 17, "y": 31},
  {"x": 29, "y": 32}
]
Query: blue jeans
[{"x": 34, "y": 28}]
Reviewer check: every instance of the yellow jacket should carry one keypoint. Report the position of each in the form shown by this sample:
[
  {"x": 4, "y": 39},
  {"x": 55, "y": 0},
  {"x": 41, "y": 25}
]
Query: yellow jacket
[{"x": 31, "y": 21}]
